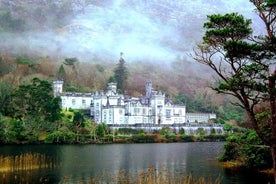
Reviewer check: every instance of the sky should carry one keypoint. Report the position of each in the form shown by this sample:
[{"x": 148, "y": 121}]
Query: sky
[{"x": 144, "y": 30}]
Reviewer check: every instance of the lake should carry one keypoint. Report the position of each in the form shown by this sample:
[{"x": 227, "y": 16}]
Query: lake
[{"x": 81, "y": 163}]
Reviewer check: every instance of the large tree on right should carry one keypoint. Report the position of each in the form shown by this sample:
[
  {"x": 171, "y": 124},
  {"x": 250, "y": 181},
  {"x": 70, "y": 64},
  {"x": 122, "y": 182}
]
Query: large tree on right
[{"x": 245, "y": 65}]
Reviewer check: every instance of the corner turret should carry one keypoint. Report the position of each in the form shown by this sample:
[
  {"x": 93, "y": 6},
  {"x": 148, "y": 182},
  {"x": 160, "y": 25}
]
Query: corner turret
[{"x": 57, "y": 87}]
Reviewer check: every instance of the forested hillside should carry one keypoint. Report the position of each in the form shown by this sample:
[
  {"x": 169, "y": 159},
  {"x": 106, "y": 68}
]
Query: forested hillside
[{"x": 180, "y": 82}]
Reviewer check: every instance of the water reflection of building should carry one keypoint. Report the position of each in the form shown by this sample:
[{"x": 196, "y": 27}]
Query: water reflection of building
[{"x": 113, "y": 108}]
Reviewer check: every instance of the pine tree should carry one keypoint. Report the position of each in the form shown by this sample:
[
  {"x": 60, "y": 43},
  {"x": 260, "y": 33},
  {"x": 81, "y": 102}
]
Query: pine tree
[
  {"x": 121, "y": 75},
  {"x": 245, "y": 66},
  {"x": 61, "y": 74}
]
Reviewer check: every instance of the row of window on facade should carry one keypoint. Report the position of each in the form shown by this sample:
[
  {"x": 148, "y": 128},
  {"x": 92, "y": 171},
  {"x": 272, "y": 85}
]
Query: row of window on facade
[
  {"x": 74, "y": 102},
  {"x": 137, "y": 110}
]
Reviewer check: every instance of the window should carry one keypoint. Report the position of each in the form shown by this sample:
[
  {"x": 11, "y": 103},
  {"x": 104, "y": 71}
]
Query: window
[
  {"x": 105, "y": 115},
  {"x": 83, "y": 102},
  {"x": 144, "y": 111},
  {"x": 159, "y": 107},
  {"x": 120, "y": 111},
  {"x": 168, "y": 113},
  {"x": 73, "y": 101},
  {"x": 136, "y": 111}
]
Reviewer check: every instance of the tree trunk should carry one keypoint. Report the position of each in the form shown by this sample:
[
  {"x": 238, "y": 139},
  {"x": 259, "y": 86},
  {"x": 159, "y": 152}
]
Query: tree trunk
[
  {"x": 272, "y": 92},
  {"x": 273, "y": 154}
]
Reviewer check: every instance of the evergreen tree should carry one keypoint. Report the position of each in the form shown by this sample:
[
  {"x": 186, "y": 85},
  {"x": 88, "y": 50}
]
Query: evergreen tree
[
  {"x": 61, "y": 74},
  {"x": 245, "y": 65},
  {"x": 121, "y": 75}
]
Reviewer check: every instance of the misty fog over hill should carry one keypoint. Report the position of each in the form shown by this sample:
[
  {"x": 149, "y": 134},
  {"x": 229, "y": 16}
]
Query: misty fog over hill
[{"x": 156, "y": 30}]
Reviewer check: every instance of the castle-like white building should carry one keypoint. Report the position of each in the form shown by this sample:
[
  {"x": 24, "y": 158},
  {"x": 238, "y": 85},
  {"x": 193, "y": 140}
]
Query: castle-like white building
[{"x": 115, "y": 109}]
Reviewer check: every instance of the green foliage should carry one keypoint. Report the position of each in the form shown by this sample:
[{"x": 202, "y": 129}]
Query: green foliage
[
  {"x": 222, "y": 29},
  {"x": 143, "y": 138},
  {"x": 248, "y": 149},
  {"x": 187, "y": 138},
  {"x": 70, "y": 61},
  {"x": 11, "y": 131},
  {"x": 219, "y": 121},
  {"x": 5, "y": 97},
  {"x": 127, "y": 131},
  {"x": 164, "y": 131},
  {"x": 201, "y": 131},
  {"x": 6, "y": 67},
  {"x": 182, "y": 131},
  {"x": 245, "y": 67},
  {"x": 61, "y": 136},
  {"x": 230, "y": 112},
  {"x": 239, "y": 49},
  {"x": 100, "y": 68},
  {"x": 230, "y": 128},
  {"x": 78, "y": 119},
  {"x": 227, "y": 34},
  {"x": 197, "y": 104},
  {"x": 121, "y": 75},
  {"x": 102, "y": 129},
  {"x": 112, "y": 79},
  {"x": 23, "y": 60},
  {"x": 61, "y": 74},
  {"x": 36, "y": 101},
  {"x": 171, "y": 137},
  {"x": 213, "y": 131},
  {"x": 75, "y": 88}
]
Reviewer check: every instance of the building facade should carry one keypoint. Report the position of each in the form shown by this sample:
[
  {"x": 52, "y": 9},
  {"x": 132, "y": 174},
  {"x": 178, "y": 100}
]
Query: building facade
[
  {"x": 110, "y": 107},
  {"x": 200, "y": 117}
]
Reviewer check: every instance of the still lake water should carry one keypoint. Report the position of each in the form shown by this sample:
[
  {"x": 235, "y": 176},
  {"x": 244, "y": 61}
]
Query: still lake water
[{"x": 80, "y": 163}]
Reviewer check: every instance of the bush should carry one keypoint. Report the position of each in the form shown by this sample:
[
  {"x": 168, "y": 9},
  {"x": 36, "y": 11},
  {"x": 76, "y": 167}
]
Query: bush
[
  {"x": 143, "y": 138},
  {"x": 248, "y": 149},
  {"x": 171, "y": 137},
  {"x": 187, "y": 138}
]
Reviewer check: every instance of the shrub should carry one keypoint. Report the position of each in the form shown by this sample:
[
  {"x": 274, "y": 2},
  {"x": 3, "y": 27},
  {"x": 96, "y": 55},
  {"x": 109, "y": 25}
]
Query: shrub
[
  {"x": 187, "y": 138},
  {"x": 249, "y": 149}
]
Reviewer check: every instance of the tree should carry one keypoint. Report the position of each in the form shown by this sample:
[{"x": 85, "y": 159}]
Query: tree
[
  {"x": 121, "y": 75},
  {"x": 73, "y": 64},
  {"x": 78, "y": 119},
  {"x": 102, "y": 130},
  {"x": 5, "y": 91},
  {"x": 244, "y": 64},
  {"x": 35, "y": 101},
  {"x": 61, "y": 74},
  {"x": 70, "y": 61}
]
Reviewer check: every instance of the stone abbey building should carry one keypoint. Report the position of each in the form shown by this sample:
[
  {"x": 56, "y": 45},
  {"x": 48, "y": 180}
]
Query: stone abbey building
[{"x": 114, "y": 109}]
